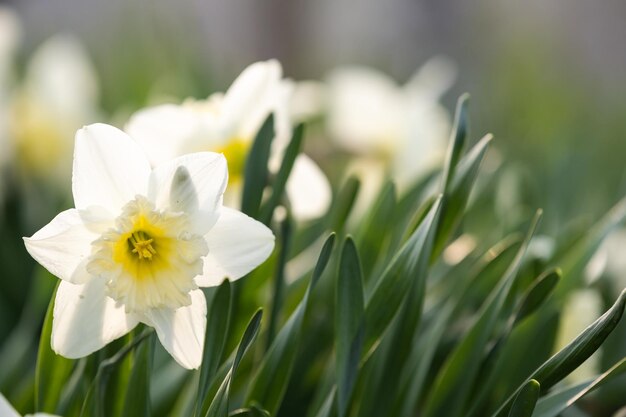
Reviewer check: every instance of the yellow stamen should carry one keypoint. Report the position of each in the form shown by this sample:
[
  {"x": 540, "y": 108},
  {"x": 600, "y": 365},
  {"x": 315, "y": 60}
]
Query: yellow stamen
[{"x": 141, "y": 244}]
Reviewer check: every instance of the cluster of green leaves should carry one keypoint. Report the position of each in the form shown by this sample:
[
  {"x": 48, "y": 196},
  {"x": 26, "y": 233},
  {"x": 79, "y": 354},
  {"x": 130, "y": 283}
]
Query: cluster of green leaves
[{"x": 376, "y": 323}]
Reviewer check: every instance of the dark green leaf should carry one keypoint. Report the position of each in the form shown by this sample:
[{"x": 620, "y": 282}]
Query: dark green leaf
[
  {"x": 285, "y": 236},
  {"x": 219, "y": 404},
  {"x": 395, "y": 282},
  {"x": 571, "y": 356},
  {"x": 457, "y": 140},
  {"x": 525, "y": 400},
  {"x": 342, "y": 206},
  {"x": 457, "y": 194},
  {"x": 348, "y": 322},
  {"x": 278, "y": 186},
  {"x": 214, "y": 340},
  {"x": 555, "y": 403},
  {"x": 270, "y": 383},
  {"x": 255, "y": 170},
  {"x": 537, "y": 294},
  {"x": 453, "y": 383},
  {"x": 375, "y": 228},
  {"x": 137, "y": 403}
]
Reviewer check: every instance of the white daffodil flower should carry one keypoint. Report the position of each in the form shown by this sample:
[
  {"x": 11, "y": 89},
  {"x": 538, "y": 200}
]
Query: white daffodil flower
[
  {"x": 405, "y": 127},
  {"x": 7, "y": 410},
  {"x": 228, "y": 123},
  {"x": 58, "y": 95},
  {"x": 139, "y": 244}
]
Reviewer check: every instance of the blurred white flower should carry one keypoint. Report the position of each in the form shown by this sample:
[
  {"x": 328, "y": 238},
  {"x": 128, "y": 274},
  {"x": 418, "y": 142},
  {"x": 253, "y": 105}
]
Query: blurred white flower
[
  {"x": 7, "y": 410},
  {"x": 139, "y": 244},
  {"x": 10, "y": 35},
  {"x": 404, "y": 126},
  {"x": 58, "y": 95},
  {"x": 228, "y": 123}
]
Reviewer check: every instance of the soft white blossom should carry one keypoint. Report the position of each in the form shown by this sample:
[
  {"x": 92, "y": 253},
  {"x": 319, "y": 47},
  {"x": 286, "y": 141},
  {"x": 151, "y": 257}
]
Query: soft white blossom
[
  {"x": 405, "y": 127},
  {"x": 58, "y": 95},
  {"x": 139, "y": 244},
  {"x": 228, "y": 123}
]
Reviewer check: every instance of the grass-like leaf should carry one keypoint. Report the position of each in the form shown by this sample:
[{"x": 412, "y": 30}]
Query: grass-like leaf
[
  {"x": 280, "y": 181},
  {"x": 571, "y": 356},
  {"x": 214, "y": 340},
  {"x": 457, "y": 193},
  {"x": 270, "y": 383},
  {"x": 453, "y": 384},
  {"x": 525, "y": 400},
  {"x": 555, "y": 403},
  {"x": 457, "y": 141},
  {"x": 395, "y": 282},
  {"x": 256, "y": 170},
  {"x": 137, "y": 403},
  {"x": 219, "y": 404},
  {"x": 348, "y": 323}
]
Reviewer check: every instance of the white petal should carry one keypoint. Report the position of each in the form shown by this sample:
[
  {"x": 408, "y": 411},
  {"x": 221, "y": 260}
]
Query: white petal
[
  {"x": 433, "y": 79},
  {"x": 250, "y": 98},
  {"x": 308, "y": 189},
  {"x": 181, "y": 331},
  {"x": 307, "y": 100},
  {"x": 6, "y": 409},
  {"x": 237, "y": 245},
  {"x": 163, "y": 130},
  {"x": 63, "y": 246},
  {"x": 61, "y": 76},
  {"x": 110, "y": 168},
  {"x": 192, "y": 183},
  {"x": 367, "y": 110},
  {"x": 86, "y": 319}
]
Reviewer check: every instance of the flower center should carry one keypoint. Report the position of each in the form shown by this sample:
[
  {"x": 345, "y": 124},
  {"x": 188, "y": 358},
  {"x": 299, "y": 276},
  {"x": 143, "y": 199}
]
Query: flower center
[
  {"x": 149, "y": 259},
  {"x": 140, "y": 243}
]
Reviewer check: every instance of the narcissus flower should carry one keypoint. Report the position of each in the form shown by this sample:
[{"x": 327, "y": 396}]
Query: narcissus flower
[
  {"x": 140, "y": 243},
  {"x": 402, "y": 129},
  {"x": 228, "y": 123}
]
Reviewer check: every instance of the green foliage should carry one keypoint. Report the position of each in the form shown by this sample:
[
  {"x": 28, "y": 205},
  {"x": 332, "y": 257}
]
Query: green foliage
[{"x": 385, "y": 324}]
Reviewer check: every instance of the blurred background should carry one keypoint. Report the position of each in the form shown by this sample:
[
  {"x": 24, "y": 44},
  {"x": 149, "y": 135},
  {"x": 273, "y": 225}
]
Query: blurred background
[{"x": 547, "y": 78}]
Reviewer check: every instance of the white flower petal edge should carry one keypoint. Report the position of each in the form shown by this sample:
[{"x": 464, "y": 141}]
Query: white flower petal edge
[
  {"x": 237, "y": 244},
  {"x": 181, "y": 331},
  {"x": 63, "y": 246},
  {"x": 139, "y": 250},
  {"x": 86, "y": 319},
  {"x": 109, "y": 168},
  {"x": 164, "y": 130},
  {"x": 6, "y": 409},
  {"x": 251, "y": 97},
  {"x": 192, "y": 183},
  {"x": 308, "y": 189}
]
